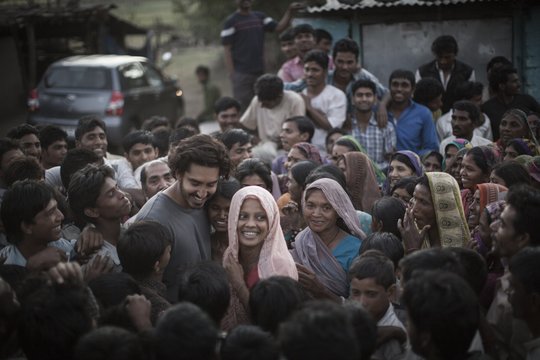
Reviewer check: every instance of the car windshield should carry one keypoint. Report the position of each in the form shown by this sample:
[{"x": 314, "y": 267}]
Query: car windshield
[{"x": 78, "y": 77}]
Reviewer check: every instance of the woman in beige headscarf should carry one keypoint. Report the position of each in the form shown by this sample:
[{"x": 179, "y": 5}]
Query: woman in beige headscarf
[
  {"x": 257, "y": 249},
  {"x": 435, "y": 217},
  {"x": 361, "y": 181}
]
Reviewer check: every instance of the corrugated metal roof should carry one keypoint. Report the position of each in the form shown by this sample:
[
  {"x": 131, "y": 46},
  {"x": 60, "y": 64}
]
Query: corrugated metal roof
[{"x": 333, "y": 5}]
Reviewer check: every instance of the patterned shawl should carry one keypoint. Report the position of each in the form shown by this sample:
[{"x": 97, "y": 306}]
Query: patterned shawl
[
  {"x": 378, "y": 172},
  {"x": 310, "y": 251},
  {"x": 490, "y": 193},
  {"x": 361, "y": 181},
  {"x": 274, "y": 259},
  {"x": 451, "y": 221},
  {"x": 459, "y": 144}
]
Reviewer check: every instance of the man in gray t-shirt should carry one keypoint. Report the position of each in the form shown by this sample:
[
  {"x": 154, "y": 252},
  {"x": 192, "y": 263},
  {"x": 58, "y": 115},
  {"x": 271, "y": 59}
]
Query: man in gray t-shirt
[{"x": 197, "y": 164}]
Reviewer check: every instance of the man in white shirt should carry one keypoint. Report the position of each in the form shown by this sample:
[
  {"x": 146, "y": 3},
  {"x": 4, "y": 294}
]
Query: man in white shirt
[
  {"x": 326, "y": 105},
  {"x": 465, "y": 117}
]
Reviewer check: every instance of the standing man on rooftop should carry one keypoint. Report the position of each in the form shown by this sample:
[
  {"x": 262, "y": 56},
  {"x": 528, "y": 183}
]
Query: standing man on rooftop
[{"x": 243, "y": 41}]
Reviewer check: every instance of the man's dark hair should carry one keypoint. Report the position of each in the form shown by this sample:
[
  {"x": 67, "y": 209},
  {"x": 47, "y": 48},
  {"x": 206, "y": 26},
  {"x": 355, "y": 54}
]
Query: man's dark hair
[
  {"x": 525, "y": 200},
  {"x": 140, "y": 246},
  {"x": 497, "y": 60},
  {"x": 273, "y": 300},
  {"x": 75, "y": 160},
  {"x": 111, "y": 343},
  {"x": 137, "y": 137},
  {"x": 402, "y": 74},
  {"x": 161, "y": 140},
  {"x": 421, "y": 261},
  {"x": 268, "y": 87},
  {"x": 304, "y": 125},
  {"x": 524, "y": 268},
  {"x": 319, "y": 331},
  {"x": 111, "y": 289},
  {"x": 365, "y": 328},
  {"x": 499, "y": 76},
  {"x": 206, "y": 285},
  {"x": 226, "y": 188},
  {"x": 21, "y": 130},
  {"x": 373, "y": 264},
  {"x": 444, "y": 306},
  {"x": 84, "y": 188},
  {"x": 364, "y": 84},
  {"x": 318, "y": 57},
  {"x": 408, "y": 183},
  {"x": 202, "y": 69},
  {"x": 185, "y": 332},
  {"x": 322, "y": 34},
  {"x": 153, "y": 122},
  {"x": 23, "y": 168},
  {"x": 254, "y": 166},
  {"x": 247, "y": 342},
  {"x": 512, "y": 172},
  {"x": 389, "y": 210},
  {"x": 346, "y": 45},
  {"x": 6, "y": 145},
  {"x": 287, "y": 35},
  {"x": 326, "y": 171},
  {"x": 180, "y": 134},
  {"x": 427, "y": 90},
  {"x": 234, "y": 136},
  {"x": 303, "y": 29},
  {"x": 224, "y": 103},
  {"x": 202, "y": 150},
  {"x": 471, "y": 109},
  {"x": 301, "y": 170},
  {"x": 387, "y": 243},
  {"x": 87, "y": 124},
  {"x": 21, "y": 203},
  {"x": 187, "y": 121},
  {"x": 53, "y": 319},
  {"x": 444, "y": 44},
  {"x": 474, "y": 265},
  {"x": 468, "y": 90},
  {"x": 50, "y": 134}
]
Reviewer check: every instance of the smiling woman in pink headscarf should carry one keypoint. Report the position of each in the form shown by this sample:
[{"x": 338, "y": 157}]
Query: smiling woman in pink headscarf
[{"x": 257, "y": 249}]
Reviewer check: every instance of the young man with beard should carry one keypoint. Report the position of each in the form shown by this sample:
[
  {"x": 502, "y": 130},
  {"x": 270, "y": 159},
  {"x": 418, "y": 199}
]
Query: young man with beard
[
  {"x": 415, "y": 130},
  {"x": 380, "y": 143},
  {"x": 465, "y": 118},
  {"x": 243, "y": 43},
  {"x": 197, "y": 163},
  {"x": 326, "y": 105}
]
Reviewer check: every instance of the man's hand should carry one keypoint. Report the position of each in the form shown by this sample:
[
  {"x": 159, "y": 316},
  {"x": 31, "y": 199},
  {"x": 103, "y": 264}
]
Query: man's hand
[
  {"x": 66, "y": 272},
  {"x": 98, "y": 266},
  {"x": 296, "y": 6},
  {"x": 139, "y": 308},
  {"x": 89, "y": 241},
  {"x": 382, "y": 116}
]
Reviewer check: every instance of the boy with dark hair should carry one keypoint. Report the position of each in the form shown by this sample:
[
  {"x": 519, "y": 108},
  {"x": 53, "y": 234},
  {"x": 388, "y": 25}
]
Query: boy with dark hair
[
  {"x": 24, "y": 168},
  {"x": 94, "y": 197},
  {"x": 206, "y": 285},
  {"x": 54, "y": 146},
  {"x": 144, "y": 250},
  {"x": 33, "y": 224},
  {"x": 197, "y": 163},
  {"x": 323, "y": 40},
  {"x": 247, "y": 342},
  {"x": 9, "y": 151},
  {"x": 304, "y": 41},
  {"x": 270, "y": 107},
  {"x": 75, "y": 160},
  {"x": 286, "y": 43},
  {"x": 27, "y": 137},
  {"x": 446, "y": 69},
  {"x": 525, "y": 294},
  {"x": 373, "y": 284},
  {"x": 227, "y": 113},
  {"x": 293, "y": 130},
  {"x": 155, "y": 123},
  {"x": 211, "y": 93},
  {"x": 428, "y": 92},
  {"x": 443, "y": 315}
]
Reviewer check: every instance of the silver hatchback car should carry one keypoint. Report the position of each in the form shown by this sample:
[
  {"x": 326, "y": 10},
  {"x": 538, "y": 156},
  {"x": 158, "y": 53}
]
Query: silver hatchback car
[{"x": 122, "y": 90}]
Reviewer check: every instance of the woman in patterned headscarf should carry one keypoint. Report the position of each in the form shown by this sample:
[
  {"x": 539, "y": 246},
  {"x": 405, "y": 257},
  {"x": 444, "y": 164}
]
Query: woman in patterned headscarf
[
  {"x": 257, "y": 248},
  {"x": 436, "y": 217},
  {"x": 484, "y": 195},
  {"x": 514, "y": 125}
]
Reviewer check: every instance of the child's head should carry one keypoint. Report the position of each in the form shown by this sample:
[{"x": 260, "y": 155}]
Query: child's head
[
  {"x": 144, "y": 249},
  {"x": 247, "y": 342},
  {"x": 372, "y": 282},
  {"x": 217, "y": 208},
  {"x": 94, "y": 195},
  {"x": 385, "y": 214},
  {"x": 387, "y": 243}
]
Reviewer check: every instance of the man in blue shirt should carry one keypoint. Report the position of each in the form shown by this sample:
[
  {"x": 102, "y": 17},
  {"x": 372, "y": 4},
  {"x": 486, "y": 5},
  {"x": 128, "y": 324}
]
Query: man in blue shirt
[{"x": 413, "y": 122}]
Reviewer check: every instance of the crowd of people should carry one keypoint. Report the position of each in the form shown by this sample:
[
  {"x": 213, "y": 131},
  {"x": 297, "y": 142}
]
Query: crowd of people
[{"x": 329, "y": 217}]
